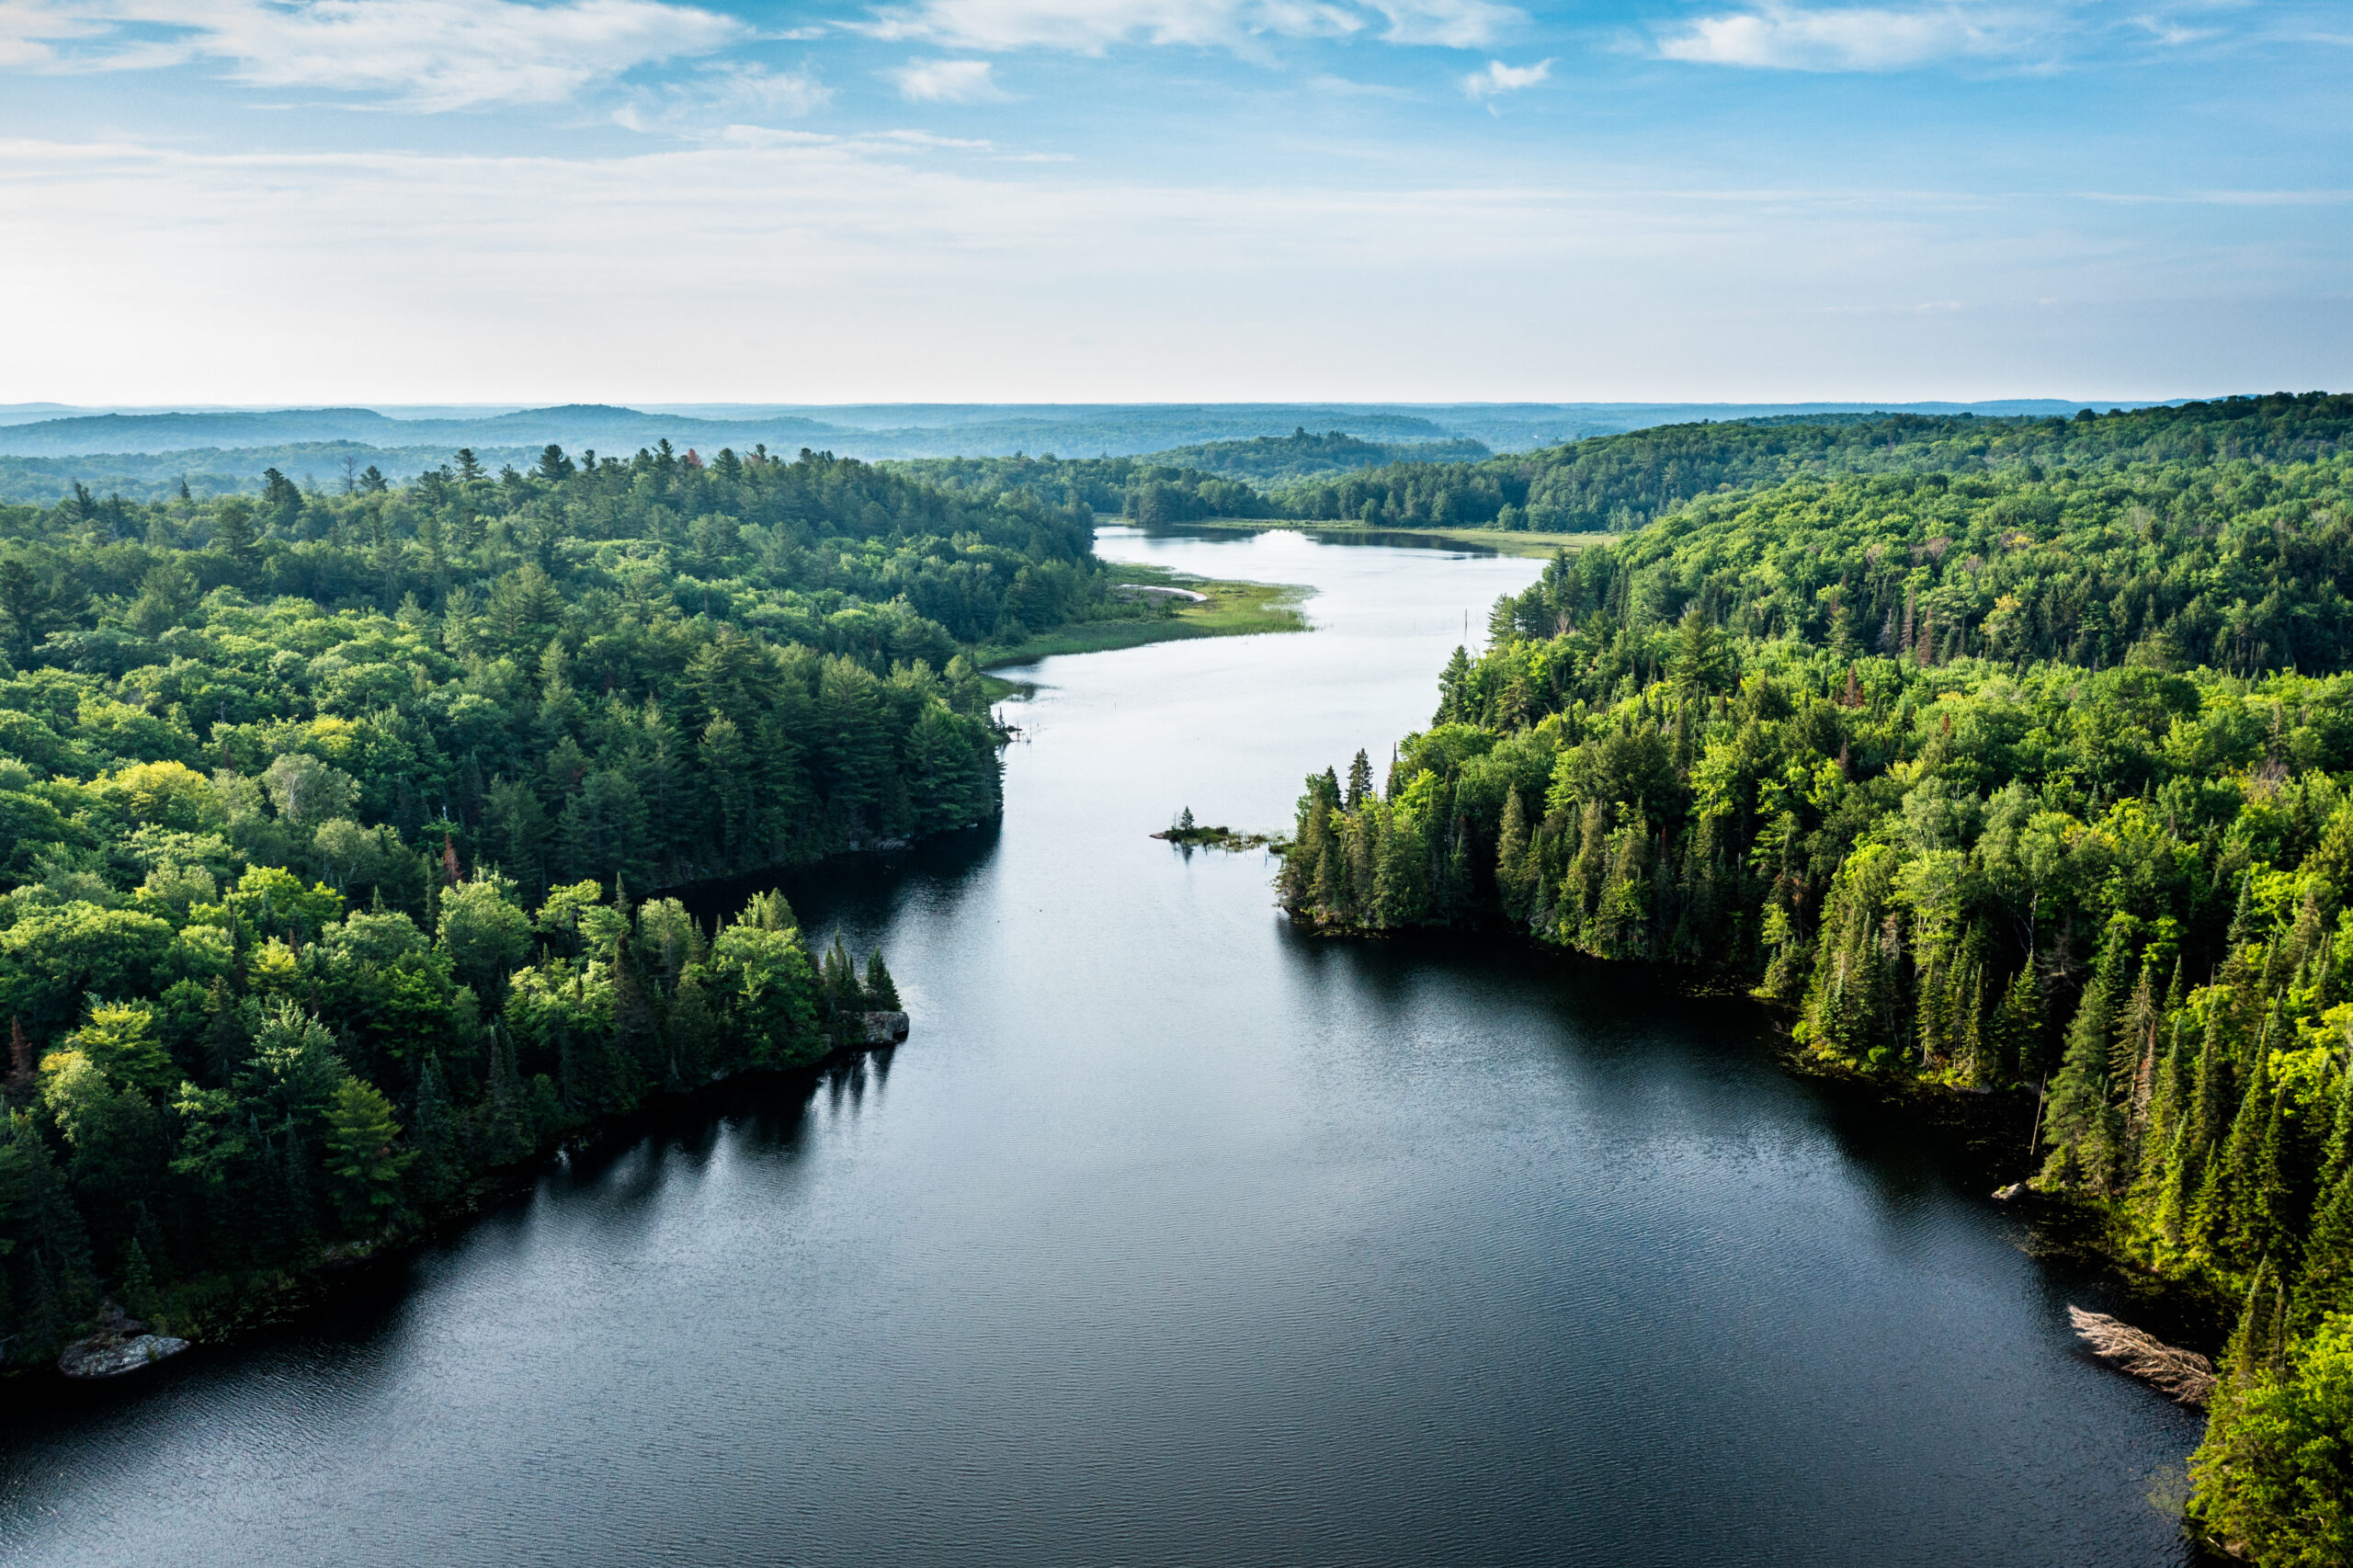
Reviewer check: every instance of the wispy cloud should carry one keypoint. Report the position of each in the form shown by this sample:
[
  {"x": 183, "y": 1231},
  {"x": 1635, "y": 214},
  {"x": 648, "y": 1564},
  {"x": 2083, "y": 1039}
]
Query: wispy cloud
[
  {"x": 719, "y": 93},
  {"x": 1093, "y": 26},
  {"x": 947, "y": 81},
  {"x": 1344, "y": 87},
  {"x": 926, "y": 262},
  {"x": 426, "y": 54},
  {"x": 1858, "y": 38},
  {"x": 1499, "y": 78}
]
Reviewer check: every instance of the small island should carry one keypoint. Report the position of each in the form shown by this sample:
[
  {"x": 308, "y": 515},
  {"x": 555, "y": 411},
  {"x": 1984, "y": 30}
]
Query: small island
[{"x": 1190, "y": 834}]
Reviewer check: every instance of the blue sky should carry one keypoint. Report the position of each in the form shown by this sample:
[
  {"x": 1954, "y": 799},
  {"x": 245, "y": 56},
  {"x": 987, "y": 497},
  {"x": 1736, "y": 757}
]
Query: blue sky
[{"x": 241, "y": 201}]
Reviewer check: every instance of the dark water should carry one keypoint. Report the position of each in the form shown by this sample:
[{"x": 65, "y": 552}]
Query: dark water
[{"x": 1174, "y": 1236}]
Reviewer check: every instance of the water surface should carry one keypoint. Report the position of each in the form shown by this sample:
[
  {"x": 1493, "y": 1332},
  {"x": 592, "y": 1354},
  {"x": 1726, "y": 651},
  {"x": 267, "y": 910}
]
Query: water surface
[{"x": 1177, "y": 1237}]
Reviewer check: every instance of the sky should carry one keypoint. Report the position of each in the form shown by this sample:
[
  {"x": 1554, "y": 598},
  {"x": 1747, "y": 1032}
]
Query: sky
[{"x": 305, "y": 201}]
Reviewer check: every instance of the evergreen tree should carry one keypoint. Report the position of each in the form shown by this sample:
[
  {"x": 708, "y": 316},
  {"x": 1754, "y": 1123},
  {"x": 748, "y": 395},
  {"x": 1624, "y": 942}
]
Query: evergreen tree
[
  {"x": 2084, "y": 1125},
  {"x": 1515, "y": 865},
  {"x": 881, "y": 993},
  {"x": 2247, "y": 1175}
]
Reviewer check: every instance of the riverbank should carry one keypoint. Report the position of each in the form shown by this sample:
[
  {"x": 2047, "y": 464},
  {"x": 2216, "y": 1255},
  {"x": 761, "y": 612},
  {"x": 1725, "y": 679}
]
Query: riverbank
[
  {"x": 1223, "y": 609},
  {"x": 224, "y": 1307},
  {"x": 1989, "y": 1134}
]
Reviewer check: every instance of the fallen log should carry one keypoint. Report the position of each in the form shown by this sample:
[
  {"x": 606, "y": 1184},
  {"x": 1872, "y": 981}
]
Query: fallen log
[{"x": 2186, "y": 1375}]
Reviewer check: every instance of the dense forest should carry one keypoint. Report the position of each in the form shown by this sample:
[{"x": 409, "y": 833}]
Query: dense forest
[
  {"x": 330, "y": 825},
  {"x": 1620, "y": 483},
  {"x": 2031, "y": 768},
  {"x": 1266, "y": 459},
  {"x": 1137, "y": 490}
]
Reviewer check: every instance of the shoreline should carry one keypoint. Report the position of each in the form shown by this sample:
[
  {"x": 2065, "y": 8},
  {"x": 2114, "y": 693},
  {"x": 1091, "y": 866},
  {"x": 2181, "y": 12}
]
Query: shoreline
[
  {"x": 2062, "y": 1227},
  {"x": 1226, "y": 609},
  {"x": 1536, "y": 546},
  {"x": 279, "y": 1297}
]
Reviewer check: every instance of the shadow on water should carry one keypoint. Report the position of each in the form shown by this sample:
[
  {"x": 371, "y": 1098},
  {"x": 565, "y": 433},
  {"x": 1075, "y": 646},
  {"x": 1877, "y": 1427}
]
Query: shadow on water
[
  {"x": 1904, "y": 1146},
  {"x": 862, "y": 891}
]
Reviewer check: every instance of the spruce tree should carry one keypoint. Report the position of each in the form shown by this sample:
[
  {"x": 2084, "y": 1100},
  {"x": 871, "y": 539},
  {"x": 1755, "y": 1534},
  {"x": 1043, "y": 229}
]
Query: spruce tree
[
  {"x": 2084, "y": 1127},
  {"x": 1514, "y": 870},
  {"x": 433, "y": 1134},
  {"x": 138, "y": 1282},
  {"x": 2326, "y": 1285},
  {"x": 881, "y": 995},
  {"x": 2245, "y": 1175},
  {"x": 2257, "y": 1350},
  {"x": 2017, "y": 1026}
]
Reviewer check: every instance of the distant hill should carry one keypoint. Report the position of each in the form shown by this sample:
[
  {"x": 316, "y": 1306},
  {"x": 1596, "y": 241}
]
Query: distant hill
[
  {"x": 44, "y": 449},
  {"x": 1274, "y": 459}
]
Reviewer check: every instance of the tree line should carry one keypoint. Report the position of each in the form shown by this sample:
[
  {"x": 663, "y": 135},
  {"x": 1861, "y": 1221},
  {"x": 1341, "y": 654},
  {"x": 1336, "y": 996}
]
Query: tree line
[
  {"x": 2007, "y": 779},
  {"x": 1621, "y": 483}
]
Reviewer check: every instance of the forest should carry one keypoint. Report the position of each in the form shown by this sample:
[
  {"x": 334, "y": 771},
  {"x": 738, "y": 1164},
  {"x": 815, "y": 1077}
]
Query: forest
[
  {"x": 341, "y": 832},
  {"x": 2026, "y": 769},
  {"x": 1617, "y": 483}
]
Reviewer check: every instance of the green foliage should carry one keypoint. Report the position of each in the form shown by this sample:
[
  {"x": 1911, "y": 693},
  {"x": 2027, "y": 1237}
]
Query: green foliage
[
  {"x": 1977, "y": 763},
  {"x": 2275, "y": 1474},
  {"x": 318, "y": 812},
  {"x": 1620, "y": 483},
  {"x": 361, "y": 1159}
]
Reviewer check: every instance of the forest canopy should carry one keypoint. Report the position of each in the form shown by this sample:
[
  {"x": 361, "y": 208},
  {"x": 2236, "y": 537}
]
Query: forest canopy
[{"x": 333, "y": 826}]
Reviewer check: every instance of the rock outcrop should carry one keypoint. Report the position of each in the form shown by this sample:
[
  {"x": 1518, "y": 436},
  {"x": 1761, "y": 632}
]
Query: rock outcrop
[
  {"x": 119, "y": 1344},
  {"x": 885, "y": 1027}
]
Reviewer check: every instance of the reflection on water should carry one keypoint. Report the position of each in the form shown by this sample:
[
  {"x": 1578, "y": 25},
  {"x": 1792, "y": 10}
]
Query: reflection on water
[{"x": 1175, "y": 1234}]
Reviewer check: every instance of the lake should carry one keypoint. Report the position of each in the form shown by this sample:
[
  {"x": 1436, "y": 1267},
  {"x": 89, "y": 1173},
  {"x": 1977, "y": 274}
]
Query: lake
[{"x": 1176, "y": 1235}]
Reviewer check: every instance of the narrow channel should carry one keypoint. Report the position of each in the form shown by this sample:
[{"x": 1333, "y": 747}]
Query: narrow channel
[{"x": 1175, "y": 1235}]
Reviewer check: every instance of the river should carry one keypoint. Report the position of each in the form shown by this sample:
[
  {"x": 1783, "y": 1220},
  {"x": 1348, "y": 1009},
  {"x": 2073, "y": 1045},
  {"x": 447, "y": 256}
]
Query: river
[{"x": 1175, "y": 1235}]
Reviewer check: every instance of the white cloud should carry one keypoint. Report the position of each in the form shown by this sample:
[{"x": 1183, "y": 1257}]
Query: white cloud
[
  {"x": 1859, "y": 38},
  {"x": 1499, "y": 77},
  {"x": 947, "y": 81},
  {"x": 1456, "y": 24},
  {"x": 430, "y": 54},
  {"x": 1092, "y": 26},
  {"x": 756, "y": 86},
  {"x": 715, "y": 93}
]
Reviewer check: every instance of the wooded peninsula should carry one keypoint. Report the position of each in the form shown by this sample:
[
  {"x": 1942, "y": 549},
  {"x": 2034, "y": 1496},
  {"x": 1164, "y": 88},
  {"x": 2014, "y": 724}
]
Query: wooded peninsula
[{"x": 335, "y": 829}]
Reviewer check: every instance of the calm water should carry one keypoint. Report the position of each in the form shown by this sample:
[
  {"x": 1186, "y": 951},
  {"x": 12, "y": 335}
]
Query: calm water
[{"x": 1174, "y": 1236}]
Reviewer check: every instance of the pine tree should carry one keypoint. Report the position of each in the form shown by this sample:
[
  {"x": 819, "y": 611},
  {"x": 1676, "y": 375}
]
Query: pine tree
[
  {"x": 2210, "y": 1210},
  {"x": 2132, "y": 1060},
  {"x": 1327, "y": 892},
  {"x": 2259, "y": 1346},
  {"x": 433, "y": 1135},
  {"x": 2084, "y": 1128},
  {"x": 1359, "y": 783},
  {"x": 1969, "y": 1039},
  {"x": 1454, "y": 691},
  {"x": 509, "y": 1133},
  {"x": 881, "y": 995},
  {"x": 2017, "y": 1026},
  {"x": 2326, "y": 1285},
  {"x": 1515, "y": 869},
  {"x": 1304, "y": 863},
  {"x": 138, "y": 1282},
  {"x": 2244, "y": 1176}
]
